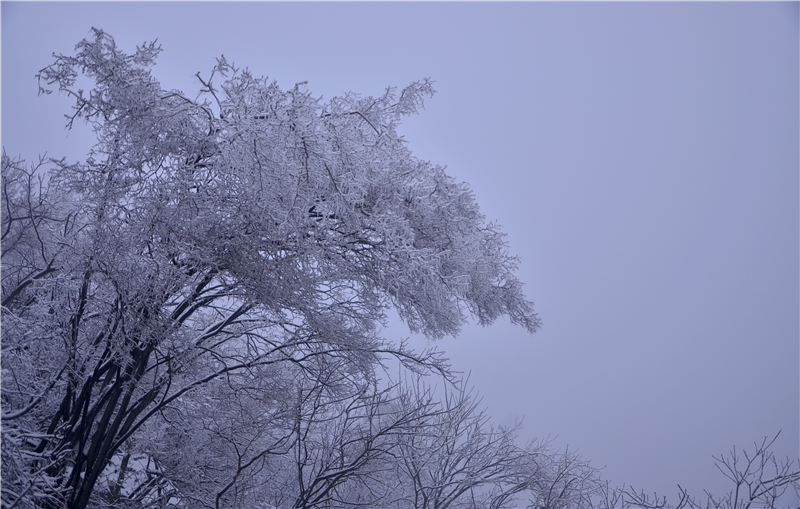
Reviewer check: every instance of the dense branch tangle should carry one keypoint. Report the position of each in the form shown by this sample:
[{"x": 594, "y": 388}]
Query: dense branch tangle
[{"x": 202, "y": 242}]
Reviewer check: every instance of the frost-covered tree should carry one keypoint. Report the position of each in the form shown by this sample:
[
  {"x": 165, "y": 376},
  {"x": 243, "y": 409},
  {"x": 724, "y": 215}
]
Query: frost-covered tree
[{"x": 215, "y": 240}]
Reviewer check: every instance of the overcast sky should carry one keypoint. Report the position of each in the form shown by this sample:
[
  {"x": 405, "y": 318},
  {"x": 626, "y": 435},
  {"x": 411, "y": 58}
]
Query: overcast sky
[{"x": 642, "y": 157}]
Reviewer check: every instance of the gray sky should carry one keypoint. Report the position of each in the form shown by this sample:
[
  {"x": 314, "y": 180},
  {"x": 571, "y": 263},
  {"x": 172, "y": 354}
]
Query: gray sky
[{"x": 643, "y": 158}]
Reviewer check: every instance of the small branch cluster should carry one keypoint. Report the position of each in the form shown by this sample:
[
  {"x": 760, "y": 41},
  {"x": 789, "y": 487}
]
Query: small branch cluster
[{"x": 758, "y": 478}]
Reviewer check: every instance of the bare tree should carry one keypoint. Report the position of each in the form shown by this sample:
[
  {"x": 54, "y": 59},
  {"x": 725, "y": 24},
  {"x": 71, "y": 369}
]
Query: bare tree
[
  {"x": 557, "y": 480},
  {"x": 759, "y": 480},
  {"x": 348, "y": 446},
  {"x": 457, "y": 454}
]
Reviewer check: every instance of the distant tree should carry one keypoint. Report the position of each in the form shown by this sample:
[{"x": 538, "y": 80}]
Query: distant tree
[
  {"x": 552, "y": 479},
  {"x": 458, "y": 453},
  {"x": 348, "y": 447},
  {"x": 758, "y": 478},
  {"x": 207, "y": 242}
]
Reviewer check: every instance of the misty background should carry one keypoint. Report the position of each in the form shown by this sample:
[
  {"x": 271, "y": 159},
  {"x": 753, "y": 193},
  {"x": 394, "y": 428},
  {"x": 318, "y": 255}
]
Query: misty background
[{"x": 642, "y": 157}]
